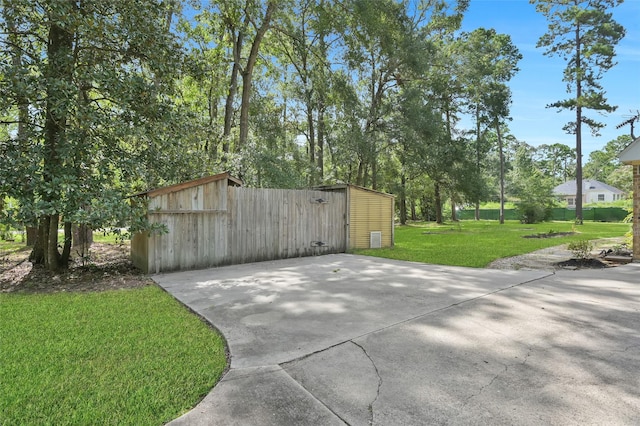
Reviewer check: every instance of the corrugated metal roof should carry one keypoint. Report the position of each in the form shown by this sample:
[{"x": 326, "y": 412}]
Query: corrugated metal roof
[{"x": 570, "y": 187}]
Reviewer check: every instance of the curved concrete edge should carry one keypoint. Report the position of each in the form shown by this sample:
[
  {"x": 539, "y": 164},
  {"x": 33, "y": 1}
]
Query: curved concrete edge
[{"x": 269, "y": 397}]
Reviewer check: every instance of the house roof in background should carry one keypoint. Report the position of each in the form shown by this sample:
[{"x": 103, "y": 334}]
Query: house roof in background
[
  {"x": 631, "y": 153},
  {"x": 570, "y": 187}
]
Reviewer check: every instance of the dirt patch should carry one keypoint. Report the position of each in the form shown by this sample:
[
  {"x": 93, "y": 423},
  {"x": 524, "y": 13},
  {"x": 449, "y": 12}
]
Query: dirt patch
[
  {"x": 555, "y": 258},
  {"x": 549, "y": 235},
  {"x": 584, "y": 264},
  {"x": 108, "y": 268}
]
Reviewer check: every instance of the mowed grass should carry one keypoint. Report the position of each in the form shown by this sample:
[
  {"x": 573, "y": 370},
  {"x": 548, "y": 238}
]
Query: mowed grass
[
  {"x": 478, "y": 243},
  {"x": 125, "y": 357},
  {"x": 10, "y": 247}
]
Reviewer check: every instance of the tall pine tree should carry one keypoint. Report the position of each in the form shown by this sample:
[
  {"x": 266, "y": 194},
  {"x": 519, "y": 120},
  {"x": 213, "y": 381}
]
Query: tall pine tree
[{"x": 584, "y": 33}]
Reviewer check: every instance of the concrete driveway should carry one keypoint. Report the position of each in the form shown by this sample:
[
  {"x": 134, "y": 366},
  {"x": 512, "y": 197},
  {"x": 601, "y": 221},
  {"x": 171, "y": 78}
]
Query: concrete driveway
[{"x": 346, "y": 339}]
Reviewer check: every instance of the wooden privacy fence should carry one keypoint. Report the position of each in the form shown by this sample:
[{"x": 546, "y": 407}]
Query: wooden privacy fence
[
  {"x": 269, "y": 224},
  {"x": 214, "y": 221},
  {"x": 248, "y": 225}
]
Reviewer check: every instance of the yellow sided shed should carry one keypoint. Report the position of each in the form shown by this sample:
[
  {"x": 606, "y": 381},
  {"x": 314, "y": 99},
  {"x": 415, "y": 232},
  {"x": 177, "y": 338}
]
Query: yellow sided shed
[{"x": 370, "y": 216}]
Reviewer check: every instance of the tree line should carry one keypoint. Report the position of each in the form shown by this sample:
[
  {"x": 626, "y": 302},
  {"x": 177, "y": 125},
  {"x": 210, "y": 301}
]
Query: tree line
[{"x": 101, "y": 100}]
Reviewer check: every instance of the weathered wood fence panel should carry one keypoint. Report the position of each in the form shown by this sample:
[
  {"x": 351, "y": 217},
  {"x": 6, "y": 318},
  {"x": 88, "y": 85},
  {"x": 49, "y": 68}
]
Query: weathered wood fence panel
[
  {"x": 196, "y": 219},
  {"x": 215, "y": 224},
  {"x": 267, "y": 224}
]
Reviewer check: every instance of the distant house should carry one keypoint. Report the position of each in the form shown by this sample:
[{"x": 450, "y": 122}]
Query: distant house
[{"x": 593, "y": 191}]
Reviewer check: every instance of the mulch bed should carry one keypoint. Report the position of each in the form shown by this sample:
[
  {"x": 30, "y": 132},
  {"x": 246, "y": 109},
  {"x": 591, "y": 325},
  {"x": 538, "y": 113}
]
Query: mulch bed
[
  {"x": 108, "y": 268},
  {"x": 549, "y": 235},
  {"x": 590, "y": 263}
]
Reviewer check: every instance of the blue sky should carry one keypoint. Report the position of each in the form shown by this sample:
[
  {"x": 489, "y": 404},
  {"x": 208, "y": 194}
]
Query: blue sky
[{"x": 539, "y": 81}]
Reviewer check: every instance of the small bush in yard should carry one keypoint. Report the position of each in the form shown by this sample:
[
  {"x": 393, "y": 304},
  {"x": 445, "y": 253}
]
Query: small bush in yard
[
  {"x": 533, "y": 212},
  {"x": 581, "y": 249}
]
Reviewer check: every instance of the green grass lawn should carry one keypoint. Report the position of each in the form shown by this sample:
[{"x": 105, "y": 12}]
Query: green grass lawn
[
  {"x": 478, "y": 243},
  {"x": 8, "y": 247},
  {"x": 125, "y": 357}
]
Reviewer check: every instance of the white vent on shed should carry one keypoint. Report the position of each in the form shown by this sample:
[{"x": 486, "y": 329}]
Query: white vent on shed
[{"x": 375, "y": 239}]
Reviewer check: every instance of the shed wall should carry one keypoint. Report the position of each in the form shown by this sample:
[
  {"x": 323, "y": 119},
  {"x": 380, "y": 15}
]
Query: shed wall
[
  {"x": 209, "y": 196},
  {"x": 369, "y": 211}
]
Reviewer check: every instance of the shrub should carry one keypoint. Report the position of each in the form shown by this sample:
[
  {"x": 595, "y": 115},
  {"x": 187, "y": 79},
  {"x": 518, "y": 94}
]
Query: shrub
[
  {"x": 581, "y": 249},
  {"x": 533, "y": 213}
]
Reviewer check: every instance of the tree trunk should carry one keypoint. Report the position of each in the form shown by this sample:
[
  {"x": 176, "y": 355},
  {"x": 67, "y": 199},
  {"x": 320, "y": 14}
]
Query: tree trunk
[
  {"x": 59, "y": 70},
  {"x": 210, "y": 143},
  {"x": 311, "y": 136},
  {"x": 438, "y": 203},
  {"x": 32, "y": 235},
  {"x": 37, "y": 255},
  {"x": 247, "y": 73},
  {"x": 321, "y": 136},
  {"x": 360, "y": 175},
  {"x": 501, "y": 153},
  {"x": 374, "y": 174},
  {"x": 66, "y": 247},
  {"x": 53, "y": 260},
  {"x": 233, "y": 89},
  {"x": 322, "y": 108},
  {"x": 82, "y": 238},
  {"x": 403, "y": 199},
  {"x": 454, "y": 217},
  {"x": 578, "y": 131},
  {"x": 477, "y": 210},
  {"x": 425, "y": 209}
]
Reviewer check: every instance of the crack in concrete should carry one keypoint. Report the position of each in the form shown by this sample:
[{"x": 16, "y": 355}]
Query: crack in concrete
[
  {"x": 526, "y": 357},
  {"x": 506, "y": 369},
  {"x": 415, "y": 317},
  {"x": 482, "y": 388},
  {"x": 371, "y": 421},
  {"x": 352, "y": 340}
]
